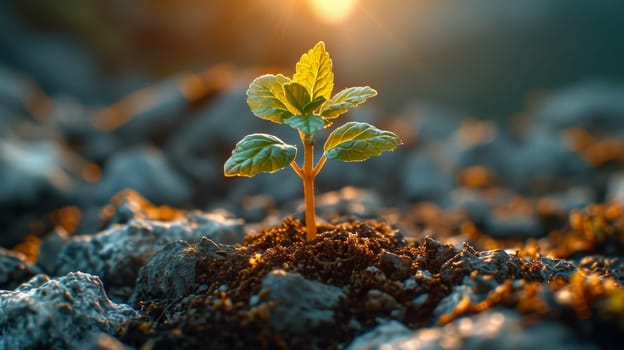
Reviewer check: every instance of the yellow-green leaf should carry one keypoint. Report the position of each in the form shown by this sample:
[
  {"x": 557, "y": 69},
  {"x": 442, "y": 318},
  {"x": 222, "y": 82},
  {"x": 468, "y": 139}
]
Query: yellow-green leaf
[
  {"x": 257, "y": 153},
  {"x": 309, "y": 124},
  {"x": 314, "y": 71},
  {"x": 354, "y": 142},
  {"x": 345, "y": 100},
  {"x": 314, "y": 104},
  {"x": 297, "y": 95},
  {"x": 266, "y": 98}
]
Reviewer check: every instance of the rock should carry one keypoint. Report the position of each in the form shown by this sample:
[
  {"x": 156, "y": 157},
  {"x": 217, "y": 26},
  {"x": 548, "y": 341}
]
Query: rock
[
  {"x": 60, "y": 313},
  {"x": 103, "y": 341},
  {"x": 381, "y": 303},
  {"x": 467, "y": 289},
  {"x": 202, "y": 145},
  {"x": 615, "y": 188},
  {"x": 481, "y": 143},
  {"x": 50, "y": 248},
  {"x": 61, "y": 66},
  {"x": 491, "y": 329},
  {"x": 30, "y": 170},
  {"x": 575, "y": 198},
  {"x": 508, "y": 224},
  {"x": 17, "y": 92},
  {"x": 391, "y": 331},
  {"x": 472, "y": 201},
  {"x": 602, "y": 265},
  {"x": 14, "y": 269},
  {"x": 556, "y": 160},
  {"x": 170, "y": 273},
  {"x": 496, "y": 263},
  {"x": 432, "y": 123},
  {"x": 554, "y": 268},
  {"x": 421, "y": 179},
  {"x": 117, "y": 254},
  {"x": 148, "y": 172},
  {"x": 594, "y": 105},
  {"x": 394, "y": 265},
  {"x": 301, "y": 305}
]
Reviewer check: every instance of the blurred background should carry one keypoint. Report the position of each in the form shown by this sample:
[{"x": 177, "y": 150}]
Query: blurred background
[
  {"x": 99, "y": 96},
  {"x": 485, "y": 58}
]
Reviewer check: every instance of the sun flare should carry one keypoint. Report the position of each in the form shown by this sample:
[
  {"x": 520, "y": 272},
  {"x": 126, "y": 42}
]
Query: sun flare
[{"x": 332, "y": 11}]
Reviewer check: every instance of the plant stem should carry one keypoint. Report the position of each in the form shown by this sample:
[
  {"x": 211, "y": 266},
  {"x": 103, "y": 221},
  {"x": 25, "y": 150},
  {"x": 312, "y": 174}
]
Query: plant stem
[{"x": 308, "y": 188}]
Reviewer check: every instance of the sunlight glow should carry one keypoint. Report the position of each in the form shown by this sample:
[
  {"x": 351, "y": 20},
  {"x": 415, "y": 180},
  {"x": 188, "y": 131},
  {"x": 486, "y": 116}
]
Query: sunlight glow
[{"x": 332, "y": 11}]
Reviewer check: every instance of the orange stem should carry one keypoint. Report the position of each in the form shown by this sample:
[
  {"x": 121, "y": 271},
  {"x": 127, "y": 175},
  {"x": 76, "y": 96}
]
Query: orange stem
[
  {"x": 296, "y": 168},
  {"x": 308, "y": 188},
  {"x": 319, "y": 165}
]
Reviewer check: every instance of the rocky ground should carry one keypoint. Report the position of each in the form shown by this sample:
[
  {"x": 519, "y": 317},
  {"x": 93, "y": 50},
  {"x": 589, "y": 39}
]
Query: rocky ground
[{"x": 472, "y": 235}]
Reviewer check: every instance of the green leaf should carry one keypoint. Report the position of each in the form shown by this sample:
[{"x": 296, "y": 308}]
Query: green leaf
[
  {"x": 346, "y": 99},
  {"x": 353, "y": 142},
  {"x": 257, "y": 153},
  {"x": 314, "y": 104},
  {"x": 297, "y": 95},
  {"x": 309, "y": 124},
  {"x": 314, "y": 71},
  {"x": 266, "y": 99}
]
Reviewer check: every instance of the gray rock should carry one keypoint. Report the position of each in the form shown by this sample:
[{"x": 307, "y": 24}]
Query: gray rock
[
  {"x": 61, "y": 66},
  {"x": 30, "y": 169},
  {"x": 391, "y": 331},
  {"x": 595, "y": 105},
  {"x": 472, "y": 201},
  {"x": 148, "y": 172},
  {"x": 382, "y": 303},
  {"x": 492, "y": 329},
  {"x": 202, "y": 145},
  {"x": 554, "y": 268},
  {"x": 615, "y": 188},
  {"x": 575, "y": 198},
  {"x": 103, "y": 341},
  {"x": 513, "y": 225},
  {"x": 543, "y": 160},
  {"x": 14, "y": 269},
  {"x": 58, "y": 314},
  {"x": 301, "y": 305},
  {"x": 51, "y": 247},
  {"x": 394, "y": 265},
  {"x": 467, "y": 289},
  {"x": 170, "y": 273},
  {"x": 432, "y": 122},
  {"x": 497, "y": 263},
  {"x": 16, "y": 92},
  {"x": 422, "y": 179},
  {"x": 117, "y": 254},
  {"x": 481, "y": 143}
]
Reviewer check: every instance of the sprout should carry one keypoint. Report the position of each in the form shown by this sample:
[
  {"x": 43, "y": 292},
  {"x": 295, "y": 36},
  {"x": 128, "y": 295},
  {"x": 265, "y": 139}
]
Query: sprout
[{"x": 306, "y": 104}]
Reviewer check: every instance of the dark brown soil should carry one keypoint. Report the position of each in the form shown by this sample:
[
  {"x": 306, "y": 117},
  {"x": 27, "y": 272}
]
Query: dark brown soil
[{"x": 342, "y": 255}]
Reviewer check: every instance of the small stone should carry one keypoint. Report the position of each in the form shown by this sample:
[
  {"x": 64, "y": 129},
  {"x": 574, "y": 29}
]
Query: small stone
[
  {"x": 301, "y": 305},
  {"x": 30, "y": 316}
]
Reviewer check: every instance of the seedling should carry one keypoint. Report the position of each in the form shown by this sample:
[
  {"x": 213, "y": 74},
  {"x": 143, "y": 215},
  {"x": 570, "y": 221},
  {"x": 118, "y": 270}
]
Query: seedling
[{"x": 305, "y": 103}]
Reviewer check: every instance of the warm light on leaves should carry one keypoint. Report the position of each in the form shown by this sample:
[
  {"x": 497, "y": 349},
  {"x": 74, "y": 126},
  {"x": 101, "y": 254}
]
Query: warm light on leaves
[
  {"x": 345, "y": 100},
  {"x": 259, "y": 153},
  {"x": 305, "y": 103},
  {"x": 266, "y": 98},
  {"x": 355, "y": 142},
  {"x": 314, "y": 71}
]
